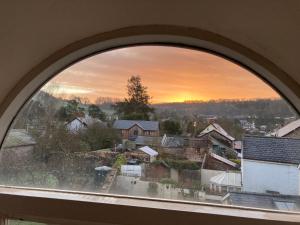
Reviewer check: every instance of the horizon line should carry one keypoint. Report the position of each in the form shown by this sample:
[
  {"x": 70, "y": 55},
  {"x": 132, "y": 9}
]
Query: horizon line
[{"x": 168, "y": 102}]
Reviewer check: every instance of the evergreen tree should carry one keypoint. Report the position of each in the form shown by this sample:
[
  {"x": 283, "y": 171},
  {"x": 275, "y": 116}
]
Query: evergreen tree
[
  {"x": 171, "y": 127},
  {"x": 136, "y": 106},
  {"x": 71, "y": 110},
  {"x": 95, "y": 112}
]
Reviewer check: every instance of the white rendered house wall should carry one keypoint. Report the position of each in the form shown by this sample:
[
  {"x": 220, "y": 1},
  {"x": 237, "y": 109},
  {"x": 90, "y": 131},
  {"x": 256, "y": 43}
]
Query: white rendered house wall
[{"x": 260, "y": 176}]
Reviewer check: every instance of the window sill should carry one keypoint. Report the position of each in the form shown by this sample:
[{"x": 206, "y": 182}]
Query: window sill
[{"x": 69, "y": 207}]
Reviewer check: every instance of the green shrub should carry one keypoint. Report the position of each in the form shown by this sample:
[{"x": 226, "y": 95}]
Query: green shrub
[
  {"x": 120, "y": 160},
  {"x": 237, "y": 161},
  {"x": 169, "y": 181},
  {"x": 182, "y": 164}
]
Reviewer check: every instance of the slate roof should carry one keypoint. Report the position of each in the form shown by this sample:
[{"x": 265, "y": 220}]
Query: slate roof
[
  {"x": 147, "y": 140},
  {"x": 172, "y": 142},
  {"x": 145, "y": 125},
  {"x": 87, "y": 120},
  {"x": 272, "y": 149},
  {"x": 262, "y": 200},
  {"x": 287, "y": 128},
  {"x": 216, "y": 127},
  {"x": 18, "y": 137}
]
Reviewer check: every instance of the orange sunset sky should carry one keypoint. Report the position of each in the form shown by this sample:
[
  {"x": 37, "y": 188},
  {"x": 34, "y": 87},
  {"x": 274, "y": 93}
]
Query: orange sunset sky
[{"x": 171, "y": 75}]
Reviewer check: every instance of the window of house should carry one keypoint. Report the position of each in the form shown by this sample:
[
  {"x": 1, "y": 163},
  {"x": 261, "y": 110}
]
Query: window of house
[{"x": 67, "y": 136}]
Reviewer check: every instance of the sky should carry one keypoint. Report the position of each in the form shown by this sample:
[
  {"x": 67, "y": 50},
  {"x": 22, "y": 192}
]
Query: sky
[{"x": 170, "y": 74}]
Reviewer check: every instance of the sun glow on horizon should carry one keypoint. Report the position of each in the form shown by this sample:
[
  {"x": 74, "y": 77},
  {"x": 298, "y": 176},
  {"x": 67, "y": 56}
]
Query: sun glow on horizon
[
  {"x": 170, "y": 74},
  {"x": 184, "y": 97}
]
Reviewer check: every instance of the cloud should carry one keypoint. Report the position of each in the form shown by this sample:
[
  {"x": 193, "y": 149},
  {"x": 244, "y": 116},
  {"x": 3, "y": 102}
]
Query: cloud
[
  {"x": 168, "y": 72},
  {"x": 66, "y": 89}
]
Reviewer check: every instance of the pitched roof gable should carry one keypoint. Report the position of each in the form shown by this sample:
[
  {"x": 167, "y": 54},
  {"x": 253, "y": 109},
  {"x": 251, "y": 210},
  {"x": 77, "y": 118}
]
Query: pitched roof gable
[
  {"x": 216, "y": 127},
  {"x": 290, "y": 127},
  {"x": 145, "y": 125}
]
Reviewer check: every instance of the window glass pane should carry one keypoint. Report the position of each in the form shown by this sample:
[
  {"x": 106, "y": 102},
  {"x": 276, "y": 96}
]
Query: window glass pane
[{"x": 160, "y": 122}]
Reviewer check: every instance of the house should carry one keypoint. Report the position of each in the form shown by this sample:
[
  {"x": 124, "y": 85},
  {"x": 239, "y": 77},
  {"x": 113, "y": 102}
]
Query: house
[
  {"x": 196, "y": 148},
  {"x": 263, "y": 200},
  {"x": 216, "y": 127},
  {"x": 213, "y": 139},
  {"x": 290, "y": 130},
  {"x": 246, "y": 125},
  {"x": 216, "y": 131},
  {"x": 271, "y": 164},
  {"x": 215, "y": 143},
  {"x": 79, "y": 123},
  {"x": 130, "y": 129}
]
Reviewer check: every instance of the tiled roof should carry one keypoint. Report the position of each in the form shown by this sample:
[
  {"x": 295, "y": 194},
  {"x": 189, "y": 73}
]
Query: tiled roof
[
  {"x": 272, "y": 149},
  {"x": 261, "y": 200},
  {"x": 145, "y": 125}
]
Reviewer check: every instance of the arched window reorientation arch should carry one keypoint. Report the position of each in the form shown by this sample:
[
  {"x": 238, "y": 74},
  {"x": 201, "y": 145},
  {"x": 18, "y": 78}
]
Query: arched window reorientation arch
[
  {"x": 156, "y": 121},
  {"x": 149, "y": 34}
]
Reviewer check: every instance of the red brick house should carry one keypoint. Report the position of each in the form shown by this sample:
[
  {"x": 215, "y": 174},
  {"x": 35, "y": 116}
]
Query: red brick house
[{"x": 130, "y": 129}]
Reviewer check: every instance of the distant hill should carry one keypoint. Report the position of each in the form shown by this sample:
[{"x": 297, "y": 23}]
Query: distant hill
[{"x": 262, "y": 108}]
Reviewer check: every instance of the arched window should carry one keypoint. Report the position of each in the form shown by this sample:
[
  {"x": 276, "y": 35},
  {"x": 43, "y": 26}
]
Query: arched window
[{"x": 159, "y": 122}]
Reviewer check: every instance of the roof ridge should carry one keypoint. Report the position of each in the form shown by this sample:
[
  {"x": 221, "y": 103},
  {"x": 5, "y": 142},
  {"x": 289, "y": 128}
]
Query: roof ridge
[{"x": 270, "y": 137}]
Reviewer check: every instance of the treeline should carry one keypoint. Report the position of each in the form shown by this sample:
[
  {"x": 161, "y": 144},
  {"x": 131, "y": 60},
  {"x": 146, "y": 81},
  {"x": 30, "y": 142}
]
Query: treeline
[{"x": 262, "y": 108}]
